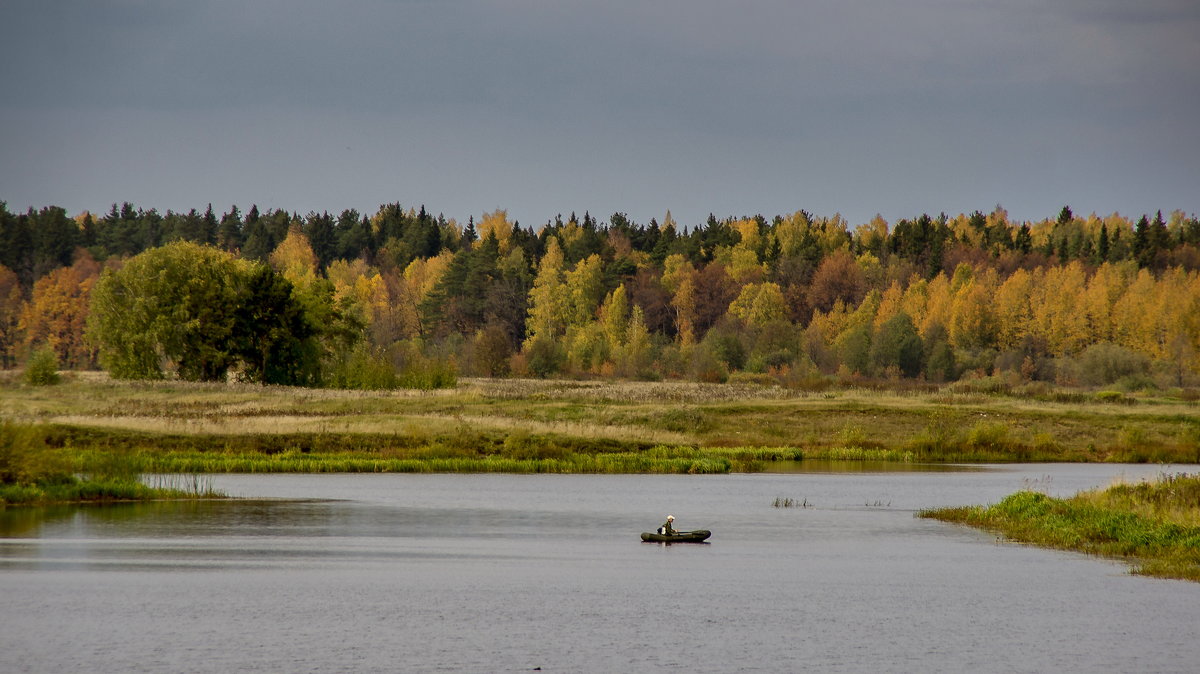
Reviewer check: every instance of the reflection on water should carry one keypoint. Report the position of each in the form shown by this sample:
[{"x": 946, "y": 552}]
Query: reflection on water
[
  {"x": 182, "y": 535},
  {"x": 836, "y": 467},
  {"x": 512, "y": 572},
  {"x": 186, "y": 518}
]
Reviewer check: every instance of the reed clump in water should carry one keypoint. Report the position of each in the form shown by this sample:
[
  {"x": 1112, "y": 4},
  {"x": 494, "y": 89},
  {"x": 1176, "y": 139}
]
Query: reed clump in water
[{"x": 1154, "y": 525}]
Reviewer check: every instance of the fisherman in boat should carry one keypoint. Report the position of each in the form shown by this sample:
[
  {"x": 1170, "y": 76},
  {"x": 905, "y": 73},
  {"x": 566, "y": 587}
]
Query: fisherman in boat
[{"x": 667, "y": 528}]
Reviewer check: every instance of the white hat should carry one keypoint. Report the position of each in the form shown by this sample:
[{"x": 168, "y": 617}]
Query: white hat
[{"x": 670, "y": 518}]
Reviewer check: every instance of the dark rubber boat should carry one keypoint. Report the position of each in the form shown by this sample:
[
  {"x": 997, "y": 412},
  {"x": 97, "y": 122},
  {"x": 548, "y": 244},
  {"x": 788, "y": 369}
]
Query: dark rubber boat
[{"x": 697, "y": 536}]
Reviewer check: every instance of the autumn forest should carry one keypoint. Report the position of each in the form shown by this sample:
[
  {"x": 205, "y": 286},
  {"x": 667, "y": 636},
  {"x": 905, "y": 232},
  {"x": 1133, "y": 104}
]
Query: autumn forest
[{"x": 402, "y": 297}]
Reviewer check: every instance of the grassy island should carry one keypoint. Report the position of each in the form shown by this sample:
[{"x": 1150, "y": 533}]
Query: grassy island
[
  {"x": 1154, "y": 525},
  {"x": 33, "y": 472},
  {"x": 92, "y": 422}
]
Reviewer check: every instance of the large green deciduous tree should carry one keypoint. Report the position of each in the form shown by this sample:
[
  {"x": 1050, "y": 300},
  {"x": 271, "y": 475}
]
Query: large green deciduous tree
[
  {"x": 170, "y": 305},
  {"x": 200, "y": 311},
  {"x": 897, "y": 344}
]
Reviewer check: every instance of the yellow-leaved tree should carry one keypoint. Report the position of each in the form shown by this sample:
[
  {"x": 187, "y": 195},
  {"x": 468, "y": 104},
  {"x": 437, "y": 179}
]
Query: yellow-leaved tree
[
  {"x": 294, "y": 259},
  {"x": 421, "y": 276},
  {"x": 759, "y": 304},
  {"x": 1057, "y": 311},
  {"x": 1013, "y": 310},
  {"x": 361, "y": 290},
  {"x": 972, "y": 323},
  {"x": 549, "y": 309},
  {"x": 679, "y": 279},
  {"x": 496, "y": 224},
  {"x": 890, "y": 304},
  {"x": 585, "y": 289},
  {"x": 938, "y": 299},
  {"x": 1105, "y": 288}
]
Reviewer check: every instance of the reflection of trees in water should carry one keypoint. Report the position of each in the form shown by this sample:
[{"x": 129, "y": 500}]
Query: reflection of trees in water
[{"x": 188, "y": 518}]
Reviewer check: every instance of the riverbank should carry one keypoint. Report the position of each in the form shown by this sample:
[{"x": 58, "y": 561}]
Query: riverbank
[
  {"x": 86, "y": 491},
  {"x": 1153, "y": 525},
  {"x": 33, "y": 471},
  {"x": 502, "y": 425}
]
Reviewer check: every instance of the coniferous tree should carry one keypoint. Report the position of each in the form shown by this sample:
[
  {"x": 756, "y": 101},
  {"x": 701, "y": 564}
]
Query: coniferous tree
[
  {"x": 118, "y": 233},
  {"x": 482, "y": 273},
  {"x": 16, "y": 245},
  {"x": 354, "y": 236},
  {"x": 54, "y": 237},
  {"x": 1023, "y": 242},
  {"x": 208, "y": 227},
  {"x": 257, "y": 243},
  {"x": 1159, "y": 239},
  {"x": 322, "y": 237},
  {"x": 11, "y": 299},
  {"x": 664, "y": 243},
  {"x": 273, "y": 336},
  {"x": 87, "y": 230},
  {"x": 229, "y": 233},
  {"x": 469, "y": 235},
  {"x": 1065, "y": 216},
  {"x": 1142, "y": 250}
]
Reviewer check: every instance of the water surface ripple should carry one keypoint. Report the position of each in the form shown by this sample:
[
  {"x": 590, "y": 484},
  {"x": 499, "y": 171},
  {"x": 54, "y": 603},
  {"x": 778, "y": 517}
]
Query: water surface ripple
[{"x": 486, "y": 573}]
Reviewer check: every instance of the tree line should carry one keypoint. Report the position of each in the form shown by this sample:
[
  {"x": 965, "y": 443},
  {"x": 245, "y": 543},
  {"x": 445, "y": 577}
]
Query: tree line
[{"x": 354, "y": 299}]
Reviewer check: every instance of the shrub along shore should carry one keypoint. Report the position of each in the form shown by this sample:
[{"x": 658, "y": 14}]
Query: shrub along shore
[{"x": 1155, "y": 526}]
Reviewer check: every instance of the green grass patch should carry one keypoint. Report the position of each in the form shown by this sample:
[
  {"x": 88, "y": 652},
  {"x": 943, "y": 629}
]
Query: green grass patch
[
  {"x": 179, "y": 462},
  {"x": 33, "y": 471},
  {"x": 1155, "y": 526},
  {"x": 76, "y": 490}
]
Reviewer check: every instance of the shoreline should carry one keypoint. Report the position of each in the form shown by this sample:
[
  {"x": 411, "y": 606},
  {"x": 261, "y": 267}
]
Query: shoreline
[{"x": 1153, "y": 526}]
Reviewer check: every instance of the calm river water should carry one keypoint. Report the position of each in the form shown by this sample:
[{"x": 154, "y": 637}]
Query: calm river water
[{"x": 487, "y": 573}]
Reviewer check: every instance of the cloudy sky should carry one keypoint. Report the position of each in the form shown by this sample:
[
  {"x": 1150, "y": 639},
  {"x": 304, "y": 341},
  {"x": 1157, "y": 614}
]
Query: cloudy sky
[{"x": 542, "y": 107}]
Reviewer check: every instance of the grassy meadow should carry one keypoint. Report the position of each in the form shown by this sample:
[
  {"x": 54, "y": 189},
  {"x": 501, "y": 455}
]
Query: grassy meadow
[
  {"x": 1155, "y": 525},
  {"x": 507, "y": 425}
]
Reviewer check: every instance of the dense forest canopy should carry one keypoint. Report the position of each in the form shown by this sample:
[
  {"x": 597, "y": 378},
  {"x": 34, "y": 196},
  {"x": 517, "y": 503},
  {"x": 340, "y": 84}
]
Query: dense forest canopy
[{"x": 352, "y": 299}]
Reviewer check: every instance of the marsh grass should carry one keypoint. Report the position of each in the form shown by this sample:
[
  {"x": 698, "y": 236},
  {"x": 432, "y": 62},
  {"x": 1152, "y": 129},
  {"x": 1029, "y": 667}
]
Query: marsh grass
[
  {"x": 859, "y": 454},
  {"x": 91, "y": 490},
  {"x": 33, "y": 471},
  {"x": 1154, "y": 525},
  {"x": 340, "y": 463},
  {"x": 552, "y": 420},
  {"x": 192, "y": 485}
]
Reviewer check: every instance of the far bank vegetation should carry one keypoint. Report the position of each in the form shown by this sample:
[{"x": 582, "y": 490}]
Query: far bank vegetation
[{"x": 403, "y": 298}]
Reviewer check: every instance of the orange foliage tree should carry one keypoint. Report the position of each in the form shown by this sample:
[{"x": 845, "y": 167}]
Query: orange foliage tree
[{"x": 56, "y": 314}]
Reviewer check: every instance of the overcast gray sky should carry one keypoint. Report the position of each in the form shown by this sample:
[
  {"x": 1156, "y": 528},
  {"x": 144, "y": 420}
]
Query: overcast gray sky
[{"x": 542, "y": 107}]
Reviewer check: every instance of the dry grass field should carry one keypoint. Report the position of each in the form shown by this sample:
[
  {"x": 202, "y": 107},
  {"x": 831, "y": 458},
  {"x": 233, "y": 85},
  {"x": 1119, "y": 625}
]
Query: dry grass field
[{"x": 553, "y": 419}]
